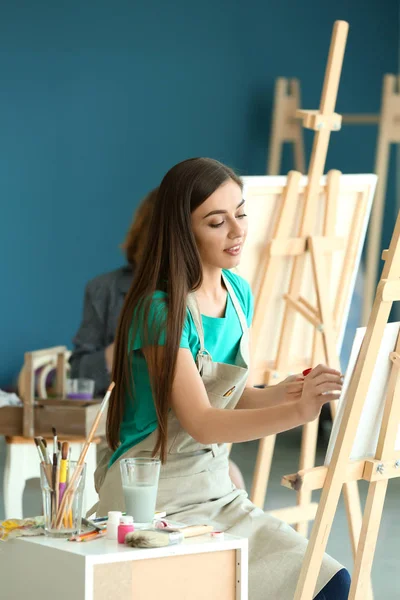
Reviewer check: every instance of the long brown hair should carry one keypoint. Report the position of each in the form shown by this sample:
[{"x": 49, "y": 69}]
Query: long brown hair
[{"x": 171, "y": 263}]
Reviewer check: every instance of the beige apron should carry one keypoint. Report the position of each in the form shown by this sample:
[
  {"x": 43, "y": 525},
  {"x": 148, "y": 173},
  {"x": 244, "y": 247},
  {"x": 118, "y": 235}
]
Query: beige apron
[{"x": 195, "y": 486}]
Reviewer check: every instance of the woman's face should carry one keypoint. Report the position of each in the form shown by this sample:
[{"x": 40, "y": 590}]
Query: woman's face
[{"x": 220, "y": 227}]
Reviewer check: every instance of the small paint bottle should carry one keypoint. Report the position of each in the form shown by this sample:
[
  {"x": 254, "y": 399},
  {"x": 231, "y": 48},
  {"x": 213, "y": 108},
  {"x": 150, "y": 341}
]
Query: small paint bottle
[
  {"x": 125, "y": 526},
  {"x": 112, "y": 524}
]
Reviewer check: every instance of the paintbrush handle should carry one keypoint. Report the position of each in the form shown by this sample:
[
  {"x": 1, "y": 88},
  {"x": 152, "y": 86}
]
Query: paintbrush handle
[
  {"x": 193, "y": 530},
  {"x": 95, "y": 425},
  {"x": 61, "y": 491}
]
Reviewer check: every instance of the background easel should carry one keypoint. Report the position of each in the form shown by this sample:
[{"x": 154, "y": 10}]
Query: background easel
[
  {"x": 286, "y": 128},
  {"x": 378, "y": 470},
  {"x": 389, "y": 133}
]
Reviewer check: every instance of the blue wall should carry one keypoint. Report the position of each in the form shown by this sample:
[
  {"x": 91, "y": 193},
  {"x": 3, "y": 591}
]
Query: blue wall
[{"x": 98, "y": 99}]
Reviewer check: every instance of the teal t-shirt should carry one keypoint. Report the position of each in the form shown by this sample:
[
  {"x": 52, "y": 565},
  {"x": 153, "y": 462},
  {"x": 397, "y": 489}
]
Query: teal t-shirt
[{"x": 221, "y": 339}]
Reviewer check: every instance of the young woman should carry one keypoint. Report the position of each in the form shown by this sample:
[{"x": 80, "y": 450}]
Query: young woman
[
  {"x": 181, "y": 366},
  {"x": 93, "y": 353}
]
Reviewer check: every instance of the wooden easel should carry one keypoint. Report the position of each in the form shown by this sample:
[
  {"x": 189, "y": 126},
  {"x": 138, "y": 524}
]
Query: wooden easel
[
  {"x": 283, "y": 244},
  {"x": 286, "y": 128},
  {"x": 389, "y": 133},
  {"x": 378, "y": 470},
  {"x": 37, "y": 416},
  {"x": 28, "y": 390},
  {"x": 321, "y": 317}
]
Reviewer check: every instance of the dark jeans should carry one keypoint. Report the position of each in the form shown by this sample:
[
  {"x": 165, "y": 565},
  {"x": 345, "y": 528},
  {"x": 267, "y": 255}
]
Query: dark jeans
[{"x": 337, "y": 588}]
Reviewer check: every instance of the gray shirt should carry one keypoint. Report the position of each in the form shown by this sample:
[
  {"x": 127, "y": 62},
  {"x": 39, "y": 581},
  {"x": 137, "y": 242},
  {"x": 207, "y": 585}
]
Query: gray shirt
[{"x": 104, "y": 297}]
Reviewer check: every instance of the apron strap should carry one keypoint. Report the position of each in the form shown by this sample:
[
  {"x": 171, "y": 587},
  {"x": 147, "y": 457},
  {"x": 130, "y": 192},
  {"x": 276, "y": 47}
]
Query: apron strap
[
  {"x": 196, "y": 316},
  {"x": 193, "y": 307},
  {"x": 236, "y": 304},
  {"x": 194, "y": 310}
]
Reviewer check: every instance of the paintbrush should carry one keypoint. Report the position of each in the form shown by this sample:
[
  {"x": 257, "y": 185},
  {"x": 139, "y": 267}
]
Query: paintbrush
[
  {"x": 55, "y": 444},
  {"x": 54, "y": 477},
  {"x": 63, "y": 470},
  {"x": 39, "y": 449},
  {"x": 92, "y": 525},
  {"x": 46, "y": 467},
  {"x": 158, "y": 538},
  {"x": 43, "y": 445}
]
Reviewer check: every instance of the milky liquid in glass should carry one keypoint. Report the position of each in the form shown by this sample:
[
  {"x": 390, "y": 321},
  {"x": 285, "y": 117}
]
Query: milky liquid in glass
[{"x": 140, "y": 501}]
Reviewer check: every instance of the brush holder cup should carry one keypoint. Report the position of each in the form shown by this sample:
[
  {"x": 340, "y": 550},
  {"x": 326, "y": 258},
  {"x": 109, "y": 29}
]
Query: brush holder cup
[{"x": 62, "y": 500}]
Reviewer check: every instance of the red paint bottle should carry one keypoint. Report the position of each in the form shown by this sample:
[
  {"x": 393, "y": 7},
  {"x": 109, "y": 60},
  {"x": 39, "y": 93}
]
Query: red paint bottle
[{"x": 125, "y": 526}]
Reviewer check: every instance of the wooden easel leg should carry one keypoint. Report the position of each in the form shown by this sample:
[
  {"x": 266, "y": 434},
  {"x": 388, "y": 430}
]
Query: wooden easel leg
[
  {"x": 307, "y": 461},
  {"x": 262, "y": 470},
  {"x": 381, "y": 169},
  {"x": 360, "y": 585},
  {"x": 352, "y": 503},
  {"x": 270, "y": 268},
  {"x": 298, "y": 141},
  {"x": 277, "y": 127}
]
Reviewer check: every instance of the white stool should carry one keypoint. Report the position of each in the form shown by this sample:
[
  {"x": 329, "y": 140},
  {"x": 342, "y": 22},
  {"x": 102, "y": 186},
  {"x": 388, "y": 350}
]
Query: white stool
[{"x": 22, "y": 463}]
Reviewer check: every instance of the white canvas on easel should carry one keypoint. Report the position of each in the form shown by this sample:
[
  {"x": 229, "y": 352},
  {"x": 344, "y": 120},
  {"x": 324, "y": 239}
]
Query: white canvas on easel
[
  {"x": 263, "y": 195},
  {"x": 366, "y": 439}
]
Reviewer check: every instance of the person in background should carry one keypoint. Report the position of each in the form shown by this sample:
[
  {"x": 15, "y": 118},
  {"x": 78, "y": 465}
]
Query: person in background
[{"x": 93, "y": 352}]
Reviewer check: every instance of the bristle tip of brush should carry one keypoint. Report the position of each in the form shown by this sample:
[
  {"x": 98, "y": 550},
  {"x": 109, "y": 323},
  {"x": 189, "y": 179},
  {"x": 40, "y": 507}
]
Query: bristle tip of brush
[
  {"x": 64, "y": 450},
  {"x": 157, "y": 538}
]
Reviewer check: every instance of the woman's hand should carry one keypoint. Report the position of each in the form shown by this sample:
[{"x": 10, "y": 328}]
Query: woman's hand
[
  {"x": 290, "y": 389},
  {"x": 321, "y": 385}
]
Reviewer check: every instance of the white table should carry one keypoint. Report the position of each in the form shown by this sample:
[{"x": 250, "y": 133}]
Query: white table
[{"x": 201, "y": 568}]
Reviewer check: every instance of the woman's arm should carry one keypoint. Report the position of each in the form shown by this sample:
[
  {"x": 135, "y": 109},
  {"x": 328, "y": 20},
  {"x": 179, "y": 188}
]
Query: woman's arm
[
  {"x": 208, "y": 425},
  {"x": 274, "y": 395}
]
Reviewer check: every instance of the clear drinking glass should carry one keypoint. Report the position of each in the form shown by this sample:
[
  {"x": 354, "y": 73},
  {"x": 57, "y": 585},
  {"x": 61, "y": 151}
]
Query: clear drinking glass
[
  {"x": 80, "y": 389},
  {"x": 62, "y": 506},
  {"x": 140, "y": 486}
]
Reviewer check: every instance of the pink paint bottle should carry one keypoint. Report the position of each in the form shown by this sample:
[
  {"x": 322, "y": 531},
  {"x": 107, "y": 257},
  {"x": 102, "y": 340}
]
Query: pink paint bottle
[{"x": 125, "y": 526}]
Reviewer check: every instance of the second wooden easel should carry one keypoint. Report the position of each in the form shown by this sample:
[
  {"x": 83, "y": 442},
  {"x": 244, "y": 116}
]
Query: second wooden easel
[
  {"x": 286, "y": 128},
  {"x": 378, "y": 470}
]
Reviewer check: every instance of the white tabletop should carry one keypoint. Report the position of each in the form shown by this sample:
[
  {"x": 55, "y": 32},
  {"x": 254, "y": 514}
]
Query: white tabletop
[{"x": 109, "y": 551}]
